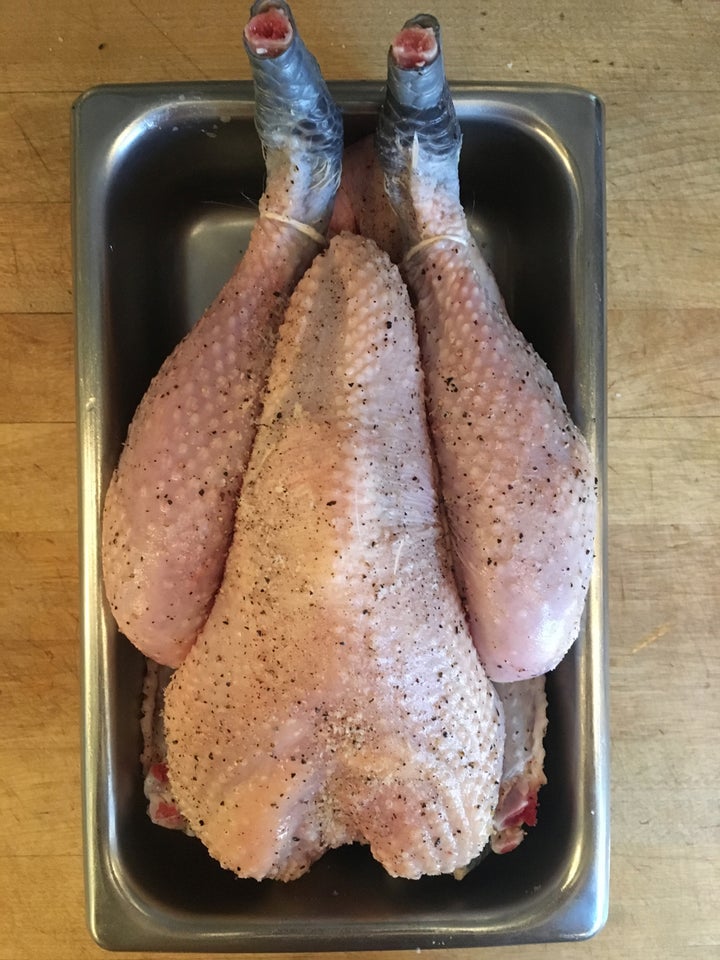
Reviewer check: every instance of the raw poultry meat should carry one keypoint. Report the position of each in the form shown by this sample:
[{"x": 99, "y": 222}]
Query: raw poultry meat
[
  {"x": 517, "y": 478},
  {"x": 162, "y": 808},
  {"x": 361, "y": 203},
  {"x": 331, "y": 809},
  {"x": 363, "y": 207},
  {"x": 525, "y": 718},
  {"x": 334, "y": 694},
  {"x": 169, "y": 509},
  {"x": 525, "y": 715},
  {"x": 525, "y": 711}
]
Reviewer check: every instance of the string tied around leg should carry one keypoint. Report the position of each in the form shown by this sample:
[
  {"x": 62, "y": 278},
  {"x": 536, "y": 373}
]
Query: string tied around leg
[
  {"x": 297, "y": 225},
  {"x": 428, "y": 241}
]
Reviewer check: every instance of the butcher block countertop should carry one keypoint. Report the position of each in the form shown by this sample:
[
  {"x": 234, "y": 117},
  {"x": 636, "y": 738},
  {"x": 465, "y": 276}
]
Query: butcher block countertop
[{"x": 656, "y": 65}]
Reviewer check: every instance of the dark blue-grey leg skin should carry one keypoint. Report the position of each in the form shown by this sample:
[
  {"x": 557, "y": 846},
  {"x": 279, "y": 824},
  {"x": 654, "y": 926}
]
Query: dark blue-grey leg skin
[{"x": 298, "y": 122}]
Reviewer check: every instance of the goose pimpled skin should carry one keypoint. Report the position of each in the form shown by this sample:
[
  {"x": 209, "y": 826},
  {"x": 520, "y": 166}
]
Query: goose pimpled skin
[
  {"x": 517, "y": 476},
  {"x": 334, "y": 694},
  {"x": 169, "y": 509}
]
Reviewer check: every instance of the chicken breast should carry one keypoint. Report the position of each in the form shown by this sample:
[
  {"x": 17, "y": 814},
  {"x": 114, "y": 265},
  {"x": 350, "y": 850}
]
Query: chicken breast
[
  {"x": 334, "y": 694},
  {"x": 168, "y": 512},
  {"x": 517, "y": 476}
]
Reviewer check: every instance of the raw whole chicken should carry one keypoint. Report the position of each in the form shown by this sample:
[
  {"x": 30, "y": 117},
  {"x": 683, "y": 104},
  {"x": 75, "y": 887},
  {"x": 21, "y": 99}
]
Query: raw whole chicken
[
  {"x": 334, "y": 694},
  {"x": 517, "y": 477},
  {"x": 169, "y": 509},
  {"x": 333, "y": 691}
]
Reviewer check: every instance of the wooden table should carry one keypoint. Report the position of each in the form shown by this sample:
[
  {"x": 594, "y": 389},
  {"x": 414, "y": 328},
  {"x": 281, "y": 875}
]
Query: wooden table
[{"x": 656, "y": 64}]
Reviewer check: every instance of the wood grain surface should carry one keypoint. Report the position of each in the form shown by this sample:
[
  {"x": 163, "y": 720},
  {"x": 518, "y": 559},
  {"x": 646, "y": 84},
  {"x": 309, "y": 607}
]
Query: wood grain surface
[{"x": 656, "y": 64}]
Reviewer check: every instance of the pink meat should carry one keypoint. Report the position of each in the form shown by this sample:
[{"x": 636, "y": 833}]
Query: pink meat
[
  {"x": 162, "y": 808},
  {"x": 335, "y": 695},
  {"x": 517, "y": 475},
  {"x": 269, "y": 32},
  {"x": 414, "y": 47}
]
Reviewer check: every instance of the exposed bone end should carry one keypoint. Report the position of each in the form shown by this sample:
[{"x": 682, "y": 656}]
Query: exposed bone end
[
  {"x": 269, "y": 33},
  {"x": 414, "y": 47}
]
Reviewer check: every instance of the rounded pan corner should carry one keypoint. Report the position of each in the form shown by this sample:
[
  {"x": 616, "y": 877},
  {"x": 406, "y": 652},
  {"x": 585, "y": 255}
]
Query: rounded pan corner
[
  {"x": 593, "y": 98},
  {"x": 583, "y": 894},
  {"x": 103, "y": 934},
  {"x": 86, "y": 97},
  {"x": 587, "y": 915},
  {"x": 116, "y": 920},
  {"x": 98, "y": 105},
  {"x": 107, "y": 916},
  {"x": 575, "y": 90}
]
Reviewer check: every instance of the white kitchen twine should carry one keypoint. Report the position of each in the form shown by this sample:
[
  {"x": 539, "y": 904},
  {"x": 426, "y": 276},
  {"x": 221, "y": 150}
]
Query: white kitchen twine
[
  {"x": 430, "y": 240},
  {"x": 302, "y": 227}
]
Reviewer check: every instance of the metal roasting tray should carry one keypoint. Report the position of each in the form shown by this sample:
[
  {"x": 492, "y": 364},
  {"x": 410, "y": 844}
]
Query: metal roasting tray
[{"x": 166, "y": 179}]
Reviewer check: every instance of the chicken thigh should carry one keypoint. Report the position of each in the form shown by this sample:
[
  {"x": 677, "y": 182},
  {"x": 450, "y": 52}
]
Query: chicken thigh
[
  {"x": 169, "y": 509},
  {"x": 334, "y": 694}
]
